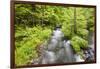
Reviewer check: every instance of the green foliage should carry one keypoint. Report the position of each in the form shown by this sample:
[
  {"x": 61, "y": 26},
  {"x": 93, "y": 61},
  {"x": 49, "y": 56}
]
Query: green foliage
[
  {"x": 26, "y": 46},
  {"x": 83, "y": 33},
  {"x": 78, "y": 42},
  {"x": 34, "y": 25},
  {"x": 66, "y": 29}
]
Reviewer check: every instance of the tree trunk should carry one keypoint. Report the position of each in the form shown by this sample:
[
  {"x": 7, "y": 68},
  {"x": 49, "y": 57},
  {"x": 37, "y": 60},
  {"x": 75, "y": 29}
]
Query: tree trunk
[{"x": 75, "y": 28}]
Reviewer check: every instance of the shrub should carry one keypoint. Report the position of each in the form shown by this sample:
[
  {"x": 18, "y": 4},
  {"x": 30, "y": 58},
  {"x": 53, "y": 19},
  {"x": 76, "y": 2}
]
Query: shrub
[{"x": 78, "y": 43}]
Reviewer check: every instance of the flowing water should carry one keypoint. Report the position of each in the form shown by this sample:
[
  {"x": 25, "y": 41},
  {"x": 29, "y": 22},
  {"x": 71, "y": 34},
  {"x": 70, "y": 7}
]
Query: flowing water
[
  {"x": 91, "y": 40},
  {"x": 59, "y": 50},
  {"x": 69, "y": 52}
]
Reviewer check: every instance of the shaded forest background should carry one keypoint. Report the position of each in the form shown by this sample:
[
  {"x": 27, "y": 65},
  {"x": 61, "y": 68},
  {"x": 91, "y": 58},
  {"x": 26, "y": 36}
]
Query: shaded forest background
[{"x": 34, "y": 25}]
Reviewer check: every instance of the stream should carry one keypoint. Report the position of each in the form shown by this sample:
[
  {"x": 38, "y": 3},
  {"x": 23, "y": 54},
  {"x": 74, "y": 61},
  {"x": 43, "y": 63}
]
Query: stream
[{"x": 59, "y": 50}]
